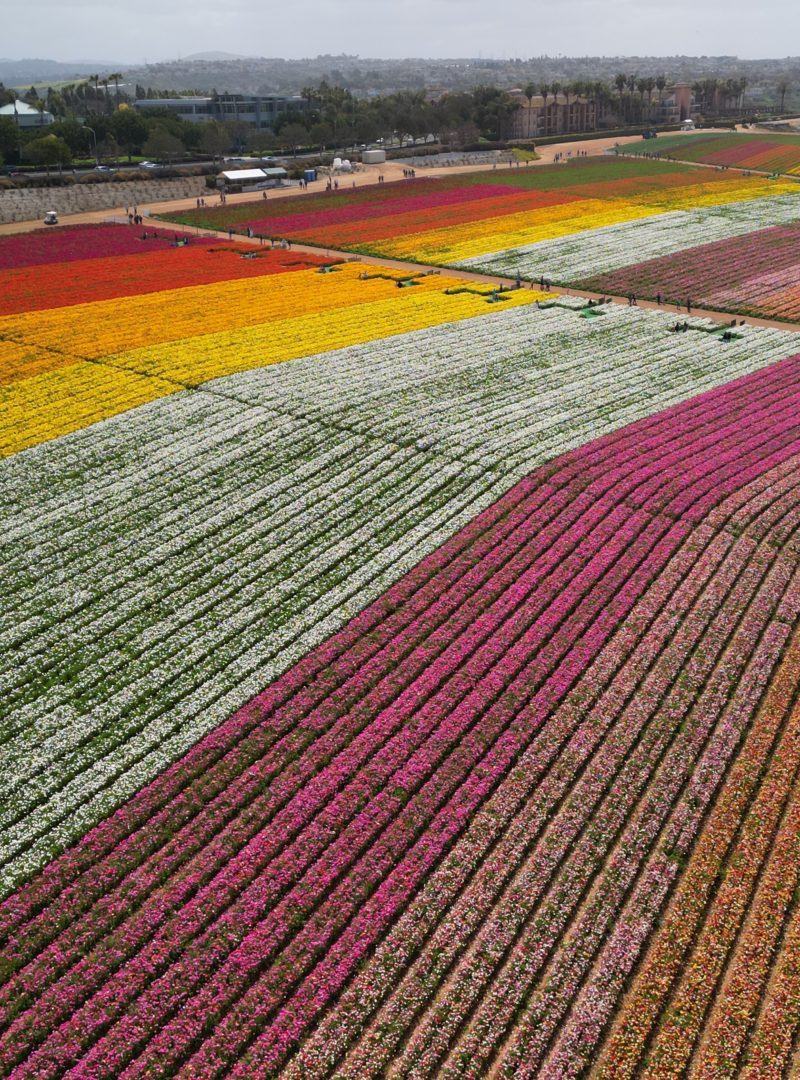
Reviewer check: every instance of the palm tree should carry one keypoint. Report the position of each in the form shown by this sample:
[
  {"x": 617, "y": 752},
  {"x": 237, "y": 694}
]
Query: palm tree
[
  {"x": 620, "y": 81},
  {"x": 782, "y": 86},
  {"x": 115, "y": 77},
  {"x": 544, "y": 90},
  {"x": 41, "y": 107},
  {"x": 601, "y": 96},
  {"x": 711, "y": 93},
  {"x": 699, "y": 95},
  {"x": 96, "y": 80},
  {"x": 68, "y": 95},
  {"x": 661, "y": 83},
  {"x": 105, "y": 88},
  {"x": 555, "y": 89},
  {"x": 641, "y": 86},
  {"x": 580, "y": 90},
  {"x": 567, "y": 90},
  {"x": 530, "y": 94},
  {"x": 649, "y": 84}
]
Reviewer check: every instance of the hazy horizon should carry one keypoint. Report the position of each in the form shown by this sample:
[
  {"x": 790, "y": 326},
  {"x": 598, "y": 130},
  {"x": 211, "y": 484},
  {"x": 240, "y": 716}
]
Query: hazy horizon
[{"x": 149, "y": 32}]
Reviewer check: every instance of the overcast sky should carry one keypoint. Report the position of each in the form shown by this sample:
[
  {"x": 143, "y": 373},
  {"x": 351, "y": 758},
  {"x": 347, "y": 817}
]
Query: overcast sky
[{"x": 132, "y": 31}]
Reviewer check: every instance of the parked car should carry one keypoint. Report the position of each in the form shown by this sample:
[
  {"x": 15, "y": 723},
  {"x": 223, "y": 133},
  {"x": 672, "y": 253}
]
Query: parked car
[
  {"x": 51, "y": 218},
  {"x": 149, "y": 165},
  {"x": 102, "y": 168}
]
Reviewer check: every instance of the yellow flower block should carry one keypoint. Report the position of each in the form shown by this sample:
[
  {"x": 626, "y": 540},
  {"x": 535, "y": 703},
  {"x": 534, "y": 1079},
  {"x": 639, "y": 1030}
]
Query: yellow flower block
[
  {"x": 58, "y": 402},
  {"x": 213, "y": 355},
  {"x": 146, "y": 347}
]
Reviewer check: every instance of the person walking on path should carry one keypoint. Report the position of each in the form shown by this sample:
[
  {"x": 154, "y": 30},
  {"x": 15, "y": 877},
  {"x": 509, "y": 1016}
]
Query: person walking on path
[
  {"x": 658, "y": 299},
  {"x": 688, "y": 305}
]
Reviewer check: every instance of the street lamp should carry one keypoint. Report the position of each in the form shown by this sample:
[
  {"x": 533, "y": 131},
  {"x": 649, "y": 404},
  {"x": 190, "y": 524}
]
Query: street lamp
[{"x": 94, "y": 138}]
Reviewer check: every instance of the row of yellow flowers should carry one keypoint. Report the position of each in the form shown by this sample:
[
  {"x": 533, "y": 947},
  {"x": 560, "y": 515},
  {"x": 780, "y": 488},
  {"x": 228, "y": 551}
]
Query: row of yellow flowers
[
  {"x": 109, "y": 326},
  {"x": 459, "y": 242},
  {"x": 145, "y": 347}
]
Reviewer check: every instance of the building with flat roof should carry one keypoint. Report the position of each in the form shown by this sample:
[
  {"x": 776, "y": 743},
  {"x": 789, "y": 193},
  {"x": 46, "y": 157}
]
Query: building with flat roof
[
  {"x": 261, "y": 112},
  {"x": 25, "y": 115}
]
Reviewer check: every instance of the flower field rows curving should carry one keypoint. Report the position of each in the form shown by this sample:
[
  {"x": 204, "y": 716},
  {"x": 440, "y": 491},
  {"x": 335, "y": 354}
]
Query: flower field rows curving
[
  {"x": 552, "y": 697},
  {"x": 398, "y": 679},
  {"x": 602, "y": 228},
  {"x": 106, "y": 277},
  {"x": 428, "y": 423}
]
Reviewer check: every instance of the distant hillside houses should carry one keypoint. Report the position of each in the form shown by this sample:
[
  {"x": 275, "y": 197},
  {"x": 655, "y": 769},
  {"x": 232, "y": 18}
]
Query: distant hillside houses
[
  {"x": 260, "y": 112},
  {"x": 27, "y": 116}
]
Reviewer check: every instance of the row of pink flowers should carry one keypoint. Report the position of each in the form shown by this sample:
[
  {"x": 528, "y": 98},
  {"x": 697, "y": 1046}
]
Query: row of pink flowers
[
  {"x": 490, "y": 943},
  {"x": 405, "y": 201}
]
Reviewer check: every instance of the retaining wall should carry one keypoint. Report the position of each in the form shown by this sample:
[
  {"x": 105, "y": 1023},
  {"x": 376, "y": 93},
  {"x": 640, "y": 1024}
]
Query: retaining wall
[{"x": 27, "y": 204}]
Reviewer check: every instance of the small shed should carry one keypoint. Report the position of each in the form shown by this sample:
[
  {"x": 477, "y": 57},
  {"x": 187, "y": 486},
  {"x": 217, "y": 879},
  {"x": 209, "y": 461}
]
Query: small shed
[{"x": 373, "y": 157}]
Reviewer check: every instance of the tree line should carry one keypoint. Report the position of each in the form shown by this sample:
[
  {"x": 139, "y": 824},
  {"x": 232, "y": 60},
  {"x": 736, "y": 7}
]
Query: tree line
[{"x": 95, "y": 117}]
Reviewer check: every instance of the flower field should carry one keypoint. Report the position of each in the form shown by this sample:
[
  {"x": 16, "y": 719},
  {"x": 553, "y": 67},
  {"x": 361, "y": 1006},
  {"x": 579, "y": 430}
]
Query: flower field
[
  {"x": 214, "y": 313},
  {"x": 397, "y": 681},
  {"x": 772, "y": 153},
  {"x": 609, "y": 248},
  {"x": 757, "y": 274},
  {"x": 563, "y": 221}
]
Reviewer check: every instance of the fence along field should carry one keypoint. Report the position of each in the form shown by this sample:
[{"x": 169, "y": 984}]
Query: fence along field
[{"x": 416, "y": 699}]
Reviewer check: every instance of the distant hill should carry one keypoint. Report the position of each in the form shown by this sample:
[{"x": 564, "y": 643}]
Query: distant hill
[
  {"x": 25, "y": 72},
  {"x": 371, "y": 75},
  {"x": 215, "y": 56},
  {"x": 366, "y": 76}
]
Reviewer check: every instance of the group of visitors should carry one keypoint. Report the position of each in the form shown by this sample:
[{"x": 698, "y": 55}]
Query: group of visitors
[{"x": 409, "y": 174}]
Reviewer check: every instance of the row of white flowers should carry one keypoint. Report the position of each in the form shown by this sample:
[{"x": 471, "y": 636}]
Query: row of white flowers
[
  {"x": 163, "y": 566},
  {"x": 597, "y": 251}
]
